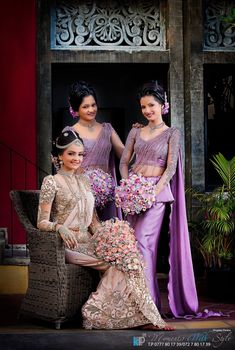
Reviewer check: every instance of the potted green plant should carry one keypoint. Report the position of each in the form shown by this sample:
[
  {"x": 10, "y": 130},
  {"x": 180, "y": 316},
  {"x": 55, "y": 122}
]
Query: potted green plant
[
  {"x": 214, "y": 229},
  {"x": 230, "y": 18}
]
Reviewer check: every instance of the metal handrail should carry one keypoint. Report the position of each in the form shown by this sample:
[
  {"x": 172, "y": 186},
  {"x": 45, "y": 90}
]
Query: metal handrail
[{"x": 11, "y": 153}]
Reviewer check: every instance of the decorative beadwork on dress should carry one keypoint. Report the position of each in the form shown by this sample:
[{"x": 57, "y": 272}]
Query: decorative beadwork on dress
[
  {"x": 79, "y": 195},
  {"x": 164, "y": 146},
  {"x": 48, "y": 189},
  {"x": 55, "y": 191}
]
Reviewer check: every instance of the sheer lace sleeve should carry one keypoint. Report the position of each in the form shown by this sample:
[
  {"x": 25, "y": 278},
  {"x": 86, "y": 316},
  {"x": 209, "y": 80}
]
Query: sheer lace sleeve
[
  {"x": 47, "y": 195},
  {"x": 127, "y": 153},
  {"x": 172, "y": 158}
]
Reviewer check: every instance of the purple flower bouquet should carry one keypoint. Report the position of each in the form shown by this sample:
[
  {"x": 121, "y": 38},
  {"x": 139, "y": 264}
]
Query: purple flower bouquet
[
  {"x": 102, "y": 186},
  {"x": 135, "y": 194}
]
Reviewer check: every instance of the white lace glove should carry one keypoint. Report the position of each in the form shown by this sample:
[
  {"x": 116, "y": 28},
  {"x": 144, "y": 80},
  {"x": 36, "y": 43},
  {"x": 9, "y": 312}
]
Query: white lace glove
[{"x": 68, "y": 237}]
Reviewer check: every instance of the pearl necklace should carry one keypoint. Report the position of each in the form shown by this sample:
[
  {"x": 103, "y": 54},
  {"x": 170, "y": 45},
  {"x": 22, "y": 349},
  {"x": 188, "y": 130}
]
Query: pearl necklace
[{"x": 158, "y": 126}]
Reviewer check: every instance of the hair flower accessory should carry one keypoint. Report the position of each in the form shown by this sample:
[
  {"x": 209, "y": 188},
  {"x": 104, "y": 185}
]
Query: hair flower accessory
[
  {"x": 135, "y": 194},
  {"x": 166, "y": 106},
  {"x": 115, "y": 242},
  {"x": 73, "y": 113},
  {"x": 102, "y": 185}
]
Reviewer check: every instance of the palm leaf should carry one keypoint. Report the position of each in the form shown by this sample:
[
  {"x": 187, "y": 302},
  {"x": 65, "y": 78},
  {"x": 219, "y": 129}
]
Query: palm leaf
[
  {"x": 226, "y": 170},
  {"x": 215, "y": 232}
]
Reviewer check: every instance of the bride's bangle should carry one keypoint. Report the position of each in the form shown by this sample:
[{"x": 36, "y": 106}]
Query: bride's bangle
[{"x": 54, "y": 226}]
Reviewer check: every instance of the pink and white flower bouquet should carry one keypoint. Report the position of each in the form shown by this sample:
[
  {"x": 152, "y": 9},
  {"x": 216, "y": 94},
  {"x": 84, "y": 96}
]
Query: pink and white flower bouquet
[
  {"x": 115, "y": 243},
  {"x": 135, "y": 194},
  {"x": 102, "y": 185}
]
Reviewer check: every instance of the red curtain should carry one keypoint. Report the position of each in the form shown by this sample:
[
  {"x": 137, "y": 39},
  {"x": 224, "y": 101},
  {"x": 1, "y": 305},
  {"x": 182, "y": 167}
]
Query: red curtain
[{"x": 18, "y": 107}]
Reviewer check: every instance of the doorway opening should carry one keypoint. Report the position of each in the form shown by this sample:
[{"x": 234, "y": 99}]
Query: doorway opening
[
  {"x": 116, "y": 86},
  {"x": 219, "y": 82}
]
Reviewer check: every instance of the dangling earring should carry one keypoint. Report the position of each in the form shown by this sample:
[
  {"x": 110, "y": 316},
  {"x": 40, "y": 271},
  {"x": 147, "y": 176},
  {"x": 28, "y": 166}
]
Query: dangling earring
[{"x": 60, "y": 161}]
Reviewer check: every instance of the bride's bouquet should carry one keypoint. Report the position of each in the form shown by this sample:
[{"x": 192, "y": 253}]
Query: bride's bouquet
[
  {"x": 115, "y": 243},
  {"x": 135, "y": 194},
  {"x": 102, "y": 185}
]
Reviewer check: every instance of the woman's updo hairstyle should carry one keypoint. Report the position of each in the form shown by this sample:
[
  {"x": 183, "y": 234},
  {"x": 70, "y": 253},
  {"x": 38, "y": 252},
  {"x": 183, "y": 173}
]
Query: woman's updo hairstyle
[
  {"x": 67, "y": 138},
  {"x": 78, "y": 91},
  {"x": 152, "y": 88}
]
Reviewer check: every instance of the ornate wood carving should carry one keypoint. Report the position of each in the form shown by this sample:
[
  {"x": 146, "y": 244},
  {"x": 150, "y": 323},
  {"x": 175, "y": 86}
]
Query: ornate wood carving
[
  {"x": 109, "y": 25},
  {"x": 219, "y": 34}
]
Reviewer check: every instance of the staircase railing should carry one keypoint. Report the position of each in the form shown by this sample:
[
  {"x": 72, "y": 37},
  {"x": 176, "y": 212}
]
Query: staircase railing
[{"x": 16, "y": 173}]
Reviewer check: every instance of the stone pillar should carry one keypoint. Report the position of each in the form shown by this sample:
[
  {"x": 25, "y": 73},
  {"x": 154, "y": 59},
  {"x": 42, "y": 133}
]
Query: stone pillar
[
  {"x": 176, "y": 71},
  {"x": 194, "y": 94}
]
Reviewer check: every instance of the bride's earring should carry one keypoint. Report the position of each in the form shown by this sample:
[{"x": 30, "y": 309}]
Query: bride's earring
[{"x": 60, "y": 161}]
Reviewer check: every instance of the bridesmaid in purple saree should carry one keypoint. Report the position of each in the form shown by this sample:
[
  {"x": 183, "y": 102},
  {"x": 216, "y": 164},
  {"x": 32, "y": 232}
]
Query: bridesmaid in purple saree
[
  {"x": 101, "y": 141},
  {"x": 158, "y": 158}
]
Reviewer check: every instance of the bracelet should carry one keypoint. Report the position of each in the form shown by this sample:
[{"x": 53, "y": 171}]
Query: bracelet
[{"x": 53, "y": 228}]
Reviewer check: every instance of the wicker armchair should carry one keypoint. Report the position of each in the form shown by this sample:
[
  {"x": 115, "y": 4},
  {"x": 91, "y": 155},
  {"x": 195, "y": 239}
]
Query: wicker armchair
[{"x": 56, "y": 290}]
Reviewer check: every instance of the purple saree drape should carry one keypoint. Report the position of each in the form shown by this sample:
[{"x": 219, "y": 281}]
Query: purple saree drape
[
  {"x": 181, "y": 287},
  {"x": 182, "y": 294}
]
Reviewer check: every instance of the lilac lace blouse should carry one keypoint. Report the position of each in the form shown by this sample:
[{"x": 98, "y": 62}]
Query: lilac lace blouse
[
  {"x": 98, "y": 151},
  {"x": 161, "y": 151}
]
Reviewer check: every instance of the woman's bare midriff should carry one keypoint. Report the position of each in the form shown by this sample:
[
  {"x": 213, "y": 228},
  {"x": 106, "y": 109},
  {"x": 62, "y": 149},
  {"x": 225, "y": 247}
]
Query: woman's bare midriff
[{"x": 148, "y": 170}]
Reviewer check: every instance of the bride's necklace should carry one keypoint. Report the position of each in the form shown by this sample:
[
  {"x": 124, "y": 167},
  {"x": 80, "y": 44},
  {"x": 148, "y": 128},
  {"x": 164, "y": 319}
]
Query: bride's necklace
[
  {"x": 158, "y": 126},
  {"x": 66, "y": 173},
  {"x": 79, "y": 195},
  {"x": 89, "y": 126},
  {"x": 68, "y": 178}
]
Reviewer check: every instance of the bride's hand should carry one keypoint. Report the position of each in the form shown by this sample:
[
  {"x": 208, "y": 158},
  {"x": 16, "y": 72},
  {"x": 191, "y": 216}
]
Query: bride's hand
[{"x": 68, "y": 237}]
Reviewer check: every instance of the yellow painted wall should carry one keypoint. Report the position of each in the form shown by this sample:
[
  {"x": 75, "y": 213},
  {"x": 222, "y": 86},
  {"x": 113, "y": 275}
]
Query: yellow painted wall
[{"x": 13, "y": 279}]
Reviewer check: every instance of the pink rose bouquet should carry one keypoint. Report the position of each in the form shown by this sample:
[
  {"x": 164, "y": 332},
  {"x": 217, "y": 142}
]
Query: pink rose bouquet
[
  {"x": 135, "y": 194},
  {"x": 102, "y": 185},
  {"x": 115, "y": 243}
]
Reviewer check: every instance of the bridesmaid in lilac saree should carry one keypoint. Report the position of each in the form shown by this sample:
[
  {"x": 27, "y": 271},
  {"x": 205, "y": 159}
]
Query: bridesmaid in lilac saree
[
  {"x": 101, "y": 144},
  {"x": 158, "y": 158}
]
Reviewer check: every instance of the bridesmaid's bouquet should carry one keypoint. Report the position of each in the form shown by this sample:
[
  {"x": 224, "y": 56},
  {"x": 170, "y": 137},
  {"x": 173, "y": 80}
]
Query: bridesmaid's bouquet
[
  {"x": 135, "y": 194},
  {"x": 102, "y": 185},
  {"x": 115, "y": 242}
]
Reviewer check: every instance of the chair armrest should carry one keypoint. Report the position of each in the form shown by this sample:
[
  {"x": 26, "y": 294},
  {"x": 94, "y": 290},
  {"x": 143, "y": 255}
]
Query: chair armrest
[{"x": 45, "y": 247}]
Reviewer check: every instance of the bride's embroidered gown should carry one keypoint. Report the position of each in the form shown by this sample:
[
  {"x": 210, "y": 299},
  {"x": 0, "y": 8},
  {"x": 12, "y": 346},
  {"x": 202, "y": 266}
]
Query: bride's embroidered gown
[{"x": 122, "y": 299}]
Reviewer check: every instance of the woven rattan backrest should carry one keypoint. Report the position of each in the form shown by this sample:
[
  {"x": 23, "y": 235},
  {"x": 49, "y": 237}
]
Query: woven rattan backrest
[{"x": 26, "y": 205}]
